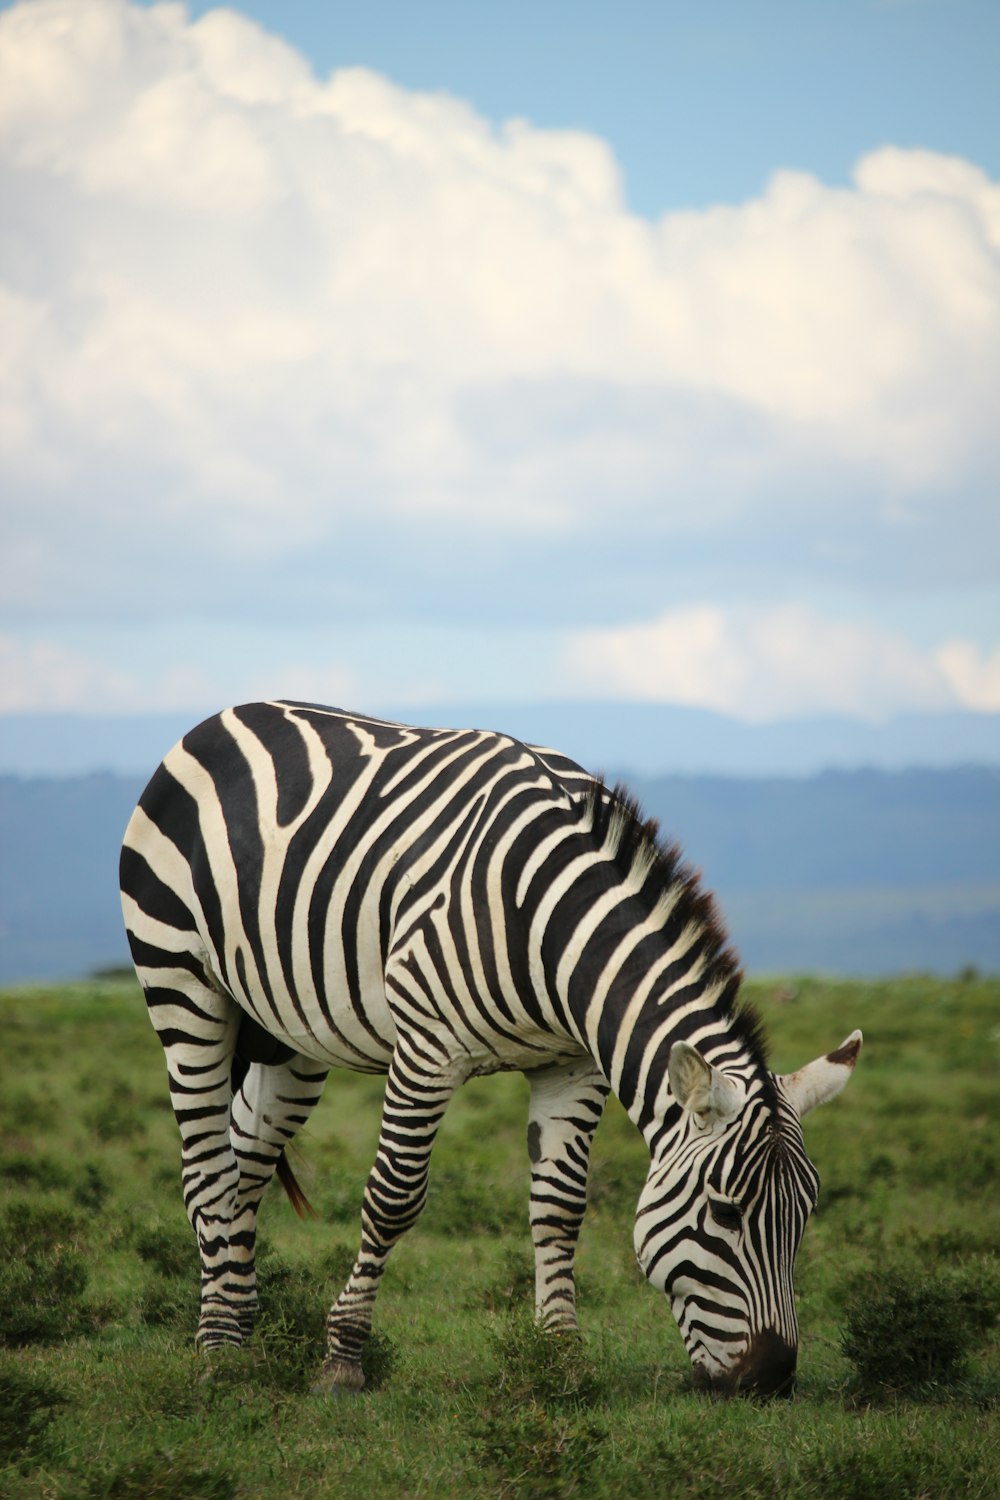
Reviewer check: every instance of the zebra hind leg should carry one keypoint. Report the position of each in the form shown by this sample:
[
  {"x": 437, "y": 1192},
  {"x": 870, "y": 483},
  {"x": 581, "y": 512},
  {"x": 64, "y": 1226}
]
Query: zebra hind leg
[
  {"x": 271, "y": 1102},
  {"x": 414, "y": 1105},
  {"x": 565, "y": 1107},
  {"x": 197, "y": 1026}
]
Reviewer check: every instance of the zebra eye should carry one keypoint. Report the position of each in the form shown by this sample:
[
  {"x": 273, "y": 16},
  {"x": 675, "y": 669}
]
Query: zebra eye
[{"x": 726, "y": 1215}]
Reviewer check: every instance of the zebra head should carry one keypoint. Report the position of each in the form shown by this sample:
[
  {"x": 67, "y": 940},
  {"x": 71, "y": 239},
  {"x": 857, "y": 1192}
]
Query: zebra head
[{"x": 721, "y": 1216}]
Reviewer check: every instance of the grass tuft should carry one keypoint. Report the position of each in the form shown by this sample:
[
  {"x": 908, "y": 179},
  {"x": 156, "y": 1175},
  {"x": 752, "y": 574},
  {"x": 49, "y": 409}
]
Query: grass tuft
[
  {"x": 534, "y": 1454},
  {"x": 27, "y": 1407},
  {"x": 43, "y": 1274},
  {"x": 158, "y": 1476},
  {"x": 553, "y": 1369}
]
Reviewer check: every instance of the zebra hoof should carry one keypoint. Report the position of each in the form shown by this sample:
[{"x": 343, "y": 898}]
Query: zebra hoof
[{"x": 338, "y": 1378}]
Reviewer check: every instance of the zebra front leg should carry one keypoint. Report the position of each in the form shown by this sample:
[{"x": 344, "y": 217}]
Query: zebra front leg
[
  {"x": 565, "y": 1108},
  {"x": 414, "y": 1105},
  {"x": 269, "y": 1107}
]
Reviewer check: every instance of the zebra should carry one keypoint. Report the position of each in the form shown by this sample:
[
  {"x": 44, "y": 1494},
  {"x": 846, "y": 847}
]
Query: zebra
[{"x": 305, "y": 889}]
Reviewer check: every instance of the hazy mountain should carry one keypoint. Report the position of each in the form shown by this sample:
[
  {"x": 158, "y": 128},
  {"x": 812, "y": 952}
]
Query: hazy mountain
[
  {"x": 864, "y": 872},
  {"x": 643, "y": 738},
  {"x": 854, "y": 873},
  {"x": 59, "y": 912}
]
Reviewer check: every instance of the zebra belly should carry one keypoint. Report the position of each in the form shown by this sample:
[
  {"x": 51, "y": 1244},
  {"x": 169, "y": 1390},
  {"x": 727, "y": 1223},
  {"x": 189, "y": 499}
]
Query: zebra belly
[
  {"x": 338, "y": 1016},
  {"x": 525, "y": 1059}
]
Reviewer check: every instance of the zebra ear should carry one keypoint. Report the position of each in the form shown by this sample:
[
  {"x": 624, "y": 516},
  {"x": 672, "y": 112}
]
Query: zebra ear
[
  {"x": 819, "y": 1081},
  {"x": 700, "y": 1088}
]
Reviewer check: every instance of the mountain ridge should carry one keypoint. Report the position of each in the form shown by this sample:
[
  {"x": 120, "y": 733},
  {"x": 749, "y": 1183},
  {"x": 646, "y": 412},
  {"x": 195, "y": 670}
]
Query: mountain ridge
[{"x": 864, "y": 872}]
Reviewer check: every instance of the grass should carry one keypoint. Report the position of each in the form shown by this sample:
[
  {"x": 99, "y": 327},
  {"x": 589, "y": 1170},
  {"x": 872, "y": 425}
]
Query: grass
[{"x": 101, "y": 1394}]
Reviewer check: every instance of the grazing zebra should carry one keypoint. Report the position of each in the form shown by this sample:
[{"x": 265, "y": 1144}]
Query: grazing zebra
[{"x": 307, "y": 889}]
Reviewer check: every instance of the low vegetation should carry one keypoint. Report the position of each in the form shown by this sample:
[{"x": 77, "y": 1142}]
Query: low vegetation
[{"x": 102, "y": 1398}]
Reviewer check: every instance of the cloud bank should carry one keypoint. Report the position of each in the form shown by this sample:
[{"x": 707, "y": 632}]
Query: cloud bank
[
  {"x": 285, "y": 347},
  {"x": 763, "y": 664}
]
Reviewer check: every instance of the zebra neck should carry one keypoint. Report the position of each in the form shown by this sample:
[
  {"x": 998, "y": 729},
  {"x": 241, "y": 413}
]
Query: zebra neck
[
  {"x": 628, "y": 955},
  {"x": 633, "y": 1050},
  {"x": 630, "y": 997}
]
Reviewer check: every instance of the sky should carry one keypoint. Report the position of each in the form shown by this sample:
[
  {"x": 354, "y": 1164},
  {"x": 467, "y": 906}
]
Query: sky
[{"x": 396, "y": 355}]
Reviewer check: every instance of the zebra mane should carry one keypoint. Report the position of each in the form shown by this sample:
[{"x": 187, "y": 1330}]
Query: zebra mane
[{"x": 670, "y": 888}]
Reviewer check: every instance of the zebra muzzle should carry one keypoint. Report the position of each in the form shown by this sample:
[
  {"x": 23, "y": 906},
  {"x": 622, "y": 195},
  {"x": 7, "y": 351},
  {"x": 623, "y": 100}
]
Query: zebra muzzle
[{"x": 766, "y": 1369}]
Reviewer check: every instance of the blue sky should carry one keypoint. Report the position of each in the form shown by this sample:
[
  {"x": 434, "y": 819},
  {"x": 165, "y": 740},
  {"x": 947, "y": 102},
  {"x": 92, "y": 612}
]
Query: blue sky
[
  {"x": 699, "y": 102},
  {"x": 392, "y": 355}
]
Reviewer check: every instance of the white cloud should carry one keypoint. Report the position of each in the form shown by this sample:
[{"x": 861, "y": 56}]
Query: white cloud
[
  {"x": 44, "y": 676},
  {"x": 268, "y": 304},
  {"x": 278, "y": 349},
  {"x": 757, "y": 664},
  {"x": 783, "y": 661},
  {"x": 973, "y": 675}
]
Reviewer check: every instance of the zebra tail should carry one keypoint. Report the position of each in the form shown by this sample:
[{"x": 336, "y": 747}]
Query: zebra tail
[
  {"x": 292, "y": 1187},
  {"x": 249, "y": 1048}
]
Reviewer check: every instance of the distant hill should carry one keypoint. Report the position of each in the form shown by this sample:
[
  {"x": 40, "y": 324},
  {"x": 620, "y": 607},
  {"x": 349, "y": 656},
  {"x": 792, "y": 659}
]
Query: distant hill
[
  {"x": 59, "y": 912},
  {"x": 853, "y": 873},
  {"x": 858, "y": 873}
]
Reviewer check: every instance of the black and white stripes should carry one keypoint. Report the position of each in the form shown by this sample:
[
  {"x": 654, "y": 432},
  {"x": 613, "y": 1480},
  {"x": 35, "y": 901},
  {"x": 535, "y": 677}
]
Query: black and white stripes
[{"x": 306, "y": 889}]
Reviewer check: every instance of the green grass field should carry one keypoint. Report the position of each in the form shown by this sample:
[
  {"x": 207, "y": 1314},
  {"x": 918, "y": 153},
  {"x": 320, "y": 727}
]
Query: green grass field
[{"x": 101, "y": 1394}]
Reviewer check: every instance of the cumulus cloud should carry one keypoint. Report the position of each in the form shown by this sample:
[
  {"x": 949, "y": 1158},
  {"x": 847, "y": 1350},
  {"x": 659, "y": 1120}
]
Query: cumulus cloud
[
  {"x": 44, "y": 675},
  {"x": 279, "y": 348},
  {"x": 270, "y": 303},
  {"x": 974, "y": 675},
  {"x": 768, "y": 663}
]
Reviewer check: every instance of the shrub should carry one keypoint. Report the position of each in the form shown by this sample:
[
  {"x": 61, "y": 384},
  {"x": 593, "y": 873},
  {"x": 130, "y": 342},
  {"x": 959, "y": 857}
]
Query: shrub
[
  {"x": 546, "y": 1367},
  {"x": 340, "y": 1198},
  {"x": 42, "y": 1275},
  {"x": 23, "y": 1111},
  {"x": 92, "y": 1189},
  {"x": 171, "y": 1298},
  {"x": 291, "y": 1321},
  {"x": 25, "y": 1170},
  {"x": 170, "y": 1249},
  {"x": 159, "y": 1476},
  {"x": 116, "y": 1117},
  {"x": 379, "y": 1359},
  {"x": 292, "y": 1304},
  {"x": 905, "y": 1329},
  {"x": 514, "y": 1284},
  {"x": 27, "y": 1406},
  {"x": 464, "y": 1203},
  {"x": 170, "y": 1302}
]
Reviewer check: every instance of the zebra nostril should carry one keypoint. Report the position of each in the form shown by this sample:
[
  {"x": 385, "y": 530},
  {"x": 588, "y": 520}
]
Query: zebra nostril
[{"x": 768, "y": 1367}]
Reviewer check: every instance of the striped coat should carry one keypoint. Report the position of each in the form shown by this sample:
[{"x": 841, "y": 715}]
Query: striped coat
[{"x": 306, "y": 889}]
